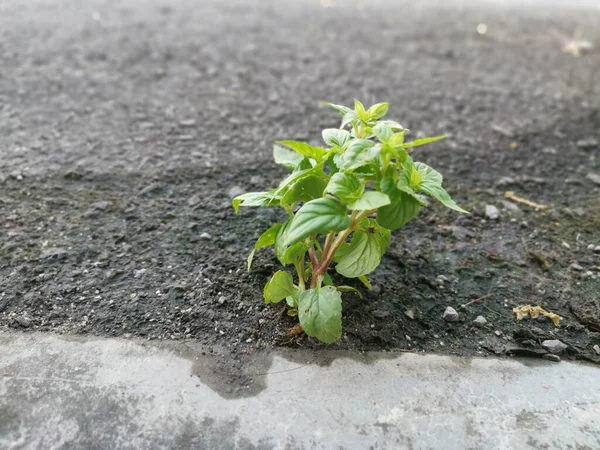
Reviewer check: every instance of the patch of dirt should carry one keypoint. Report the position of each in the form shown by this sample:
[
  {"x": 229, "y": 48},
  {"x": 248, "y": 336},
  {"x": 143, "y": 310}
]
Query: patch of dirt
[{"x": 109, "y": 182}]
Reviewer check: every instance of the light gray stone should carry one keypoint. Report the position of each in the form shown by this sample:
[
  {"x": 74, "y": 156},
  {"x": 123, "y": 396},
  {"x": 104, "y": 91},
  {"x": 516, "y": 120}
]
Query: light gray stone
[
  {"x": 491, "y": 212},
  {"x": 450, "y": 314},
  {"x": 480, "y": 321},
  {"x": 554, "y": 346},
  {"x": 594, "y": 178}
]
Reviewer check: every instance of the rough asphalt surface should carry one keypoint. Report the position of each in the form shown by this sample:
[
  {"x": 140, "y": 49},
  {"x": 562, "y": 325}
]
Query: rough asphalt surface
[
  {"x": 91, "y": 393},
  {"x": 126, "y": 126}
]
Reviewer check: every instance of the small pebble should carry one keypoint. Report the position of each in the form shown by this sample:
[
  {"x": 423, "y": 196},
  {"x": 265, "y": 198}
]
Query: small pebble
[
  {"x": 554, "y": 346},
  {"x": 551, "y": 357},
  {"x": 491, "y": 212},
  {"x": 498, "y": 333},
  {"x": 576, "y": 267},
  {"x": 450, "y": 314},
  {"x": 205, "y": 236},
  {"x": 101, "y": 205},
  {"x": 591, "y": 247},
  {"x": 24, "y": 321},
  {"x": 505, "y": 181},
  {"x": 193, "y": 200},
  {"x": 256, "y": 180},
  {"x": 594, "y": 178},
  {"x": 480, "y": 322},
  {"x": 596, "y": 349},
  {"x": 587, "y": 143},
  {"x": 235, "y": 191}
]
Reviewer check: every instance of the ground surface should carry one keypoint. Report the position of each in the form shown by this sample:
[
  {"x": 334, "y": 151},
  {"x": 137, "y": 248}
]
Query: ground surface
[
  {"x": 125, "y": 126},
  {"x": 146, "y": 395}
]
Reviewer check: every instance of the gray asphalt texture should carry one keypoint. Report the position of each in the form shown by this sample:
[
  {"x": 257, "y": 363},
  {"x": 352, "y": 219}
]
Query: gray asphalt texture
[{"x": 123, "y": 127}]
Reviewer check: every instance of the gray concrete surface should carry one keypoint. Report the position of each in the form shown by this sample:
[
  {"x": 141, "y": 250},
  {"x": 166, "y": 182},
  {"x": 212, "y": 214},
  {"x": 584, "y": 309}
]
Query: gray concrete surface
[{"x": 91, "y": 393}]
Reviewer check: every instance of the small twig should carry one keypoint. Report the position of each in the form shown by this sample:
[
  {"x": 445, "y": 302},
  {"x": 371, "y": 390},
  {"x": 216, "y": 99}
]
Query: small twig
[
  {"x": 484, "y": 297},
  {"x": 491, "y": 310},
  {"x": 513, "y": 197}
]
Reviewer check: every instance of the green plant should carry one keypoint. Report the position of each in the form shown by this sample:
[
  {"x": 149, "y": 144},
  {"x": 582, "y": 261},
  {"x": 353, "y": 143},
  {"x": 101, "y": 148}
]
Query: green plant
[{"x": 342, "y": 200}]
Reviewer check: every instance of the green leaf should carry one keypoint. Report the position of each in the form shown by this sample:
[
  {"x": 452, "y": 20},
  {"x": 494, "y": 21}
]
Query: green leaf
[
  {"x": 304, "y": 149},
  {"x": 403, "y": 207},
  {"x": 430, "y": 183},
  {"x": 265, "y": 240},
  {"x": 383, "y": 132},
  {"x": 320, "y": 313},
  {"x": 327, "y": 281},
  {"x": 378, "y": 111},
  {"x": 345, "y": 288},
  {"x": 335, "y": 137},
  {"x": 370, "y": 200},
  {"x": 345, "y": 186},
  {"x": 304, "y": 190},
  {"x": 343, "y": 110},
  {"x": 286, "y": 158},
  {"x": 423, "y": 141},
  {"x": 292, "y": 302},
  {"x": 288, "y": 254},
  {"x": 360, "y": 111},
  {"x": 397, "y": 140},
  {"x": 255, "y": 199},
  {"x": 392, "y": 124},
  {"x": 349, "y": 117},
  {"x": 365, "y": 281},
  {"x": 280, "y": 286},
  {"x": 297, "y": 175},
  {"x": 333, "y": 168},
  {"x": 317, "y": 216},
  {"x": 363, "y": 254},
  {"x": 358, "y": 154}
]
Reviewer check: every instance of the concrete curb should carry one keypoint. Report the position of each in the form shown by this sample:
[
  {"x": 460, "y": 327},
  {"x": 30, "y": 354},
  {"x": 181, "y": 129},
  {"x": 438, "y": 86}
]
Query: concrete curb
[{"x": 92, "y": 393}]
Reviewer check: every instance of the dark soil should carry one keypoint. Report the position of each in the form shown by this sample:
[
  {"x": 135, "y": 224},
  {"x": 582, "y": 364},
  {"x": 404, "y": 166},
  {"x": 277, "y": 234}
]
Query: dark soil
[{"x": 121, "y": 139}]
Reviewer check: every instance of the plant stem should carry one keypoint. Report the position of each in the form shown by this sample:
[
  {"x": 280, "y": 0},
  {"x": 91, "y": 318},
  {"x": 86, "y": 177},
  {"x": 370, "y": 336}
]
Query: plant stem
[
  {"x": 331, "y": 246},
  {"x": 301, "y": 275},
  {"x": 328, "y": 241},
  {"x": 313, "y": 257},
  {"x": 288, "y": 209}
]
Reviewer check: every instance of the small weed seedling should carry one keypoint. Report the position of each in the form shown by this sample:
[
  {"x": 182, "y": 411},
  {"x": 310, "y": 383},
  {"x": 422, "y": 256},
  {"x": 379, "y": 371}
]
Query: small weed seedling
[{"x": 342, "y": 200}]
